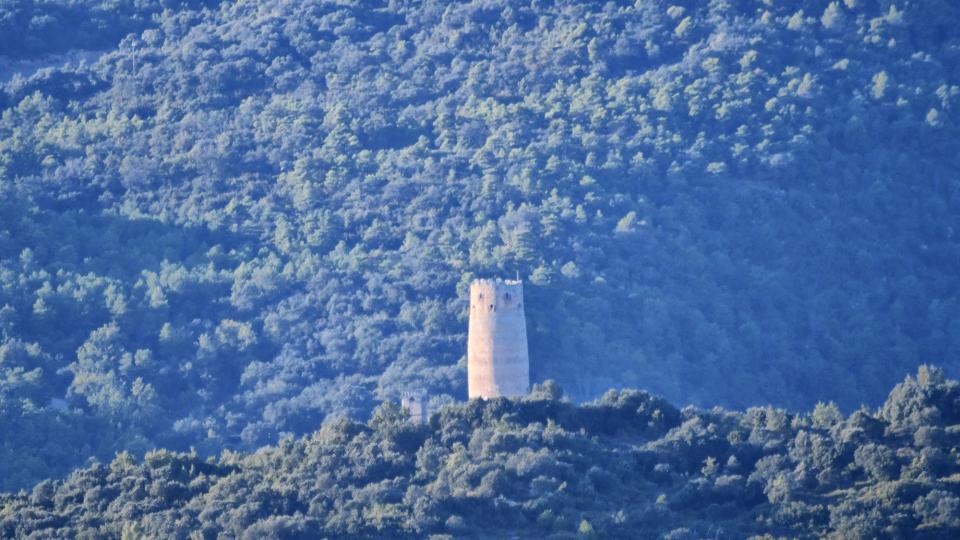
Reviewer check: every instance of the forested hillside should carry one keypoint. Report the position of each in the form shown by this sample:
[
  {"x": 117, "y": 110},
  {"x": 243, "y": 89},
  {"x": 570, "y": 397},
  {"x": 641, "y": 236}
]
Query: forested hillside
[
  {"x": 626, "y": 466},
  {"x": 247, "y": 217},
  {"x": 40, "y": 28}
]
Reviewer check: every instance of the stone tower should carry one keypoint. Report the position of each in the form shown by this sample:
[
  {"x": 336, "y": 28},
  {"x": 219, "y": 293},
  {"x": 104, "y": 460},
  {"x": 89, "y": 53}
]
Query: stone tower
[
  {"x": 415, "y": 404},
  {"x": 497, "y": 360}
]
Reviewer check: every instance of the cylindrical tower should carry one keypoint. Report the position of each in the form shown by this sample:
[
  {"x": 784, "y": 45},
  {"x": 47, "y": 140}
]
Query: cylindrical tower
[{"x": 497, "y": 360}]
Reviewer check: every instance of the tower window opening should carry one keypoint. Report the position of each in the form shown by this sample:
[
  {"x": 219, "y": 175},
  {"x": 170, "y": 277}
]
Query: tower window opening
[{"x": 491, "y": 307}]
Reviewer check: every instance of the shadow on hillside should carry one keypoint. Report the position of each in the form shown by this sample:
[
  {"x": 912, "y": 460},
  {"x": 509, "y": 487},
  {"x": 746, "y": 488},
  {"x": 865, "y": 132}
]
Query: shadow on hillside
[{"x": 111, "y": 245}]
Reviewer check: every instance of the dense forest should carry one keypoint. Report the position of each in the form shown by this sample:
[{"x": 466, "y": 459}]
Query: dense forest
[
  {"x": 244, "y": 218},
  {"x": 627, "y": 465}
]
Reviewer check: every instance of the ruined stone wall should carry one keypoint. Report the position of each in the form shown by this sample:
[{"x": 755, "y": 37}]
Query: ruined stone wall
[
  {"x": 415, "y": 404},
  {"x": 498, "y": 363}
]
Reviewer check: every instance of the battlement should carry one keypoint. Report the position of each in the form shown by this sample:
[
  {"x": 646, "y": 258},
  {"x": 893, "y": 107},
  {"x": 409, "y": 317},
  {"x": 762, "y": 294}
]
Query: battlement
[
  {"x": 489, "y": 295},
  {"x": 497, "y": 281}
]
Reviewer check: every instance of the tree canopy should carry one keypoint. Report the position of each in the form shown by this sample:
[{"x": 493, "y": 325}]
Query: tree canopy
[
  {"x": 628, "y": 465},
  {"x": 239, "y": 219}
]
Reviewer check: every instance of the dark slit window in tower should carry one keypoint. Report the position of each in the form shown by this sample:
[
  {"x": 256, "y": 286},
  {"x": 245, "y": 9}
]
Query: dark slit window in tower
[
  {"x": 491, "y": 307},
  {"x": 506, "y": 297}
]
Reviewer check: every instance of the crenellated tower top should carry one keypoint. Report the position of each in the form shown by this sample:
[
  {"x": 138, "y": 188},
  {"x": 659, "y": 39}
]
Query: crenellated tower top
[{"x": 496, "y": 295}]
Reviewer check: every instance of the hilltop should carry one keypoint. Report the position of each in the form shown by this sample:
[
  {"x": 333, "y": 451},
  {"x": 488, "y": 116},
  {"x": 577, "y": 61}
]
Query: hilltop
[{"x": 628, "y": 465}]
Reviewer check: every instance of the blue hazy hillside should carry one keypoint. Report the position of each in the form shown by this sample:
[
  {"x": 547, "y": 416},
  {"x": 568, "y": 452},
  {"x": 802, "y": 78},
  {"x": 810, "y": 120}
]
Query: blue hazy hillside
[{"x": 244, "y": 218}]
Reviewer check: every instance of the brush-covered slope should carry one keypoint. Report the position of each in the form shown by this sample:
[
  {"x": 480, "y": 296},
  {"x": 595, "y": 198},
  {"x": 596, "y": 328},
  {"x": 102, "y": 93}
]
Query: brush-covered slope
[
  {"x": 625, "y": 466},
  {"x": 248, "y": 217}
]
